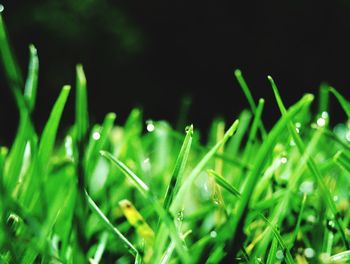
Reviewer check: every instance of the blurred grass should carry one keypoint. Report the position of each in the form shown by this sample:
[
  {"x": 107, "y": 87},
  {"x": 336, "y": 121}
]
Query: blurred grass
[{"x": 107, "y": 193}]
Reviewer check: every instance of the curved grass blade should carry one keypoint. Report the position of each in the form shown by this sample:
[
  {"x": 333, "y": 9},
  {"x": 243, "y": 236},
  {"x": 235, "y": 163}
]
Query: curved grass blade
[
  {"x": 343, "y": 102},
  {"x": 31, "y": 85},
  {"x": 311, "y": 164},
  {"x": 179, "y": 169},
  {"x": 163, "y": 215},
  {"x": 128, "y": 245},
  {"x": 224, "y": 184}
]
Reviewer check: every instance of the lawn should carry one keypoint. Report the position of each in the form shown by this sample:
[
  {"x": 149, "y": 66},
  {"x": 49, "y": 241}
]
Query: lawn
[{"x": 144, "y": 192}]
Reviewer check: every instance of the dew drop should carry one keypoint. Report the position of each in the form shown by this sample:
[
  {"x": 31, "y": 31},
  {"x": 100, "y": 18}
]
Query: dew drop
[
  {"x": 284, "y": 160},
  {"x": 216, "y": 200},
  {"x": 150, "y": 126},
  {"x": 321, "y": 122},
  {"x": 213, "y": 234},
  {"x": 309, "y": 252},
  {"x": 1, "y": 8},
  {"x": 96, "y": 135},
  {"x": 68, "y": 144},
  {"x": 306, "y": 187},
  {"x": 279, "y": 255},
  {"x": 180, "y": 216},
  {"x": 324, "y": 115},
  {"x": 311, "y": 219}
]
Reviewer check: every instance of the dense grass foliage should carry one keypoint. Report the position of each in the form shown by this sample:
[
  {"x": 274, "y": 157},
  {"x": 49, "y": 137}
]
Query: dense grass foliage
[{"x": 144, "y": 192}]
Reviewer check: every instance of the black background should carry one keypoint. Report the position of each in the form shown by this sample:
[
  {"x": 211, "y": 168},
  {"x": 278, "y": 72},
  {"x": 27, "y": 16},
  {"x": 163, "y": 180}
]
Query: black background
[{"x": 153, "y": 53}]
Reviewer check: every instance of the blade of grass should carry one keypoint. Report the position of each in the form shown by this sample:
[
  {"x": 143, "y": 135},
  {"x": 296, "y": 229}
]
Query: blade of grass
[
  {"x": 272, "y": 253},
  {"x": 324, "y": 98},
  {"x": 253, "y": 130},
  {"x": 343, "y": 102},
  {"x": 179, "y": 169},
  {"x": 300, "y": 216},
  {"x": 248, "y": 95},
  {"x": 31, "y": 85},
  {"x": 311, "y": 165},
  {"x": 224, "y": 184},
  {"x": 81, "y": 102},
  {"x": 48, "y": 137}
]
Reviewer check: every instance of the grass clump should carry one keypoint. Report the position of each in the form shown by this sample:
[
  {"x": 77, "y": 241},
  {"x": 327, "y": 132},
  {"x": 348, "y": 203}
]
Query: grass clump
[{"x": 106, "y": 193}]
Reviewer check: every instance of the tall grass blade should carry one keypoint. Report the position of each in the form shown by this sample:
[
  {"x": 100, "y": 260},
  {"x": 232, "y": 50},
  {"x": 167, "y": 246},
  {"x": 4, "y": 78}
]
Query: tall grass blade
[
  {"x": 179, "y": 169},
  {"x": 343, "y": 102}
]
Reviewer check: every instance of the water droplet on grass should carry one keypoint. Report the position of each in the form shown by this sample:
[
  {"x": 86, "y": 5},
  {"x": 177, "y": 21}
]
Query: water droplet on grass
[
  {"x": 180, "y": 215},
  {"x": 306, "y": 187},
  {"x": 213, "y": 234},
  {"x": 150, "y": 126},
  {"x": 96, "y": 135},
  {"x": 321, "y": 122},
  {"x": 279, "y": 255},
  {"x": 284, "y": 160},
  {"x": 309, "y": 252},
  {"x": 1, "y": 8}
]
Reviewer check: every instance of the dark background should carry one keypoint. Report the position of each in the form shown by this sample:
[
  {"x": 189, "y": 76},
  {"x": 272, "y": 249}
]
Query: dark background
[{"x": 153, "y": 53}]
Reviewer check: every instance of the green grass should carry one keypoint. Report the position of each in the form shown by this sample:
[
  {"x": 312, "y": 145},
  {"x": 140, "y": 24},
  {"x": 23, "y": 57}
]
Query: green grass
[{"x": 147, "y": 193}]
